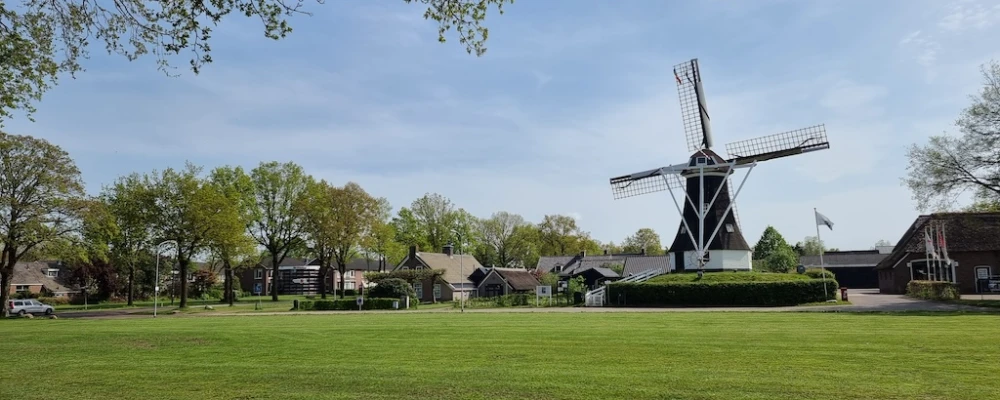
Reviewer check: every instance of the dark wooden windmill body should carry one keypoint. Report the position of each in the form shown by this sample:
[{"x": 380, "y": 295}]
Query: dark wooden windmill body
[{"x": 709, "y": 237}]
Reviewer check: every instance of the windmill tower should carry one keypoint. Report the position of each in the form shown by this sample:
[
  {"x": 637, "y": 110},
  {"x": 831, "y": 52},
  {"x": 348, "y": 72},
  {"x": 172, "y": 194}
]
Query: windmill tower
[{"x": 709, "y": 236}]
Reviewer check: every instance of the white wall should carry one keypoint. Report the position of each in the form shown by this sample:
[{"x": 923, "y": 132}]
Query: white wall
[{"x": 719, "y": 259}]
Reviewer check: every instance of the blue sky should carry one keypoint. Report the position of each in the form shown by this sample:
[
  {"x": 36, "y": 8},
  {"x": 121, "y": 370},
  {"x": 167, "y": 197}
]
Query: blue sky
[{"x": 569, "y": 94}]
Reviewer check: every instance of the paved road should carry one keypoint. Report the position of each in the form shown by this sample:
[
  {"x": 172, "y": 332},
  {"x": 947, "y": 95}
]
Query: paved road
[{"x": 862, "y": 300}]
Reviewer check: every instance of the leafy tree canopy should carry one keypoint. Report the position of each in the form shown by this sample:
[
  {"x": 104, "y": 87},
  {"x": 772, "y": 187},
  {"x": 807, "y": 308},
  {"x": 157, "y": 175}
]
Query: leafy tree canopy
[
  {"x": 948, "y": 166},
  {"x": 41, "y": 39},
  {"x": 770, "y": 242}
]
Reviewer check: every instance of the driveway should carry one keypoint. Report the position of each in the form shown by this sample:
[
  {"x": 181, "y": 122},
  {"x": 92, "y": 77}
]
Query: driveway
[{"x": 865, "y": 300}]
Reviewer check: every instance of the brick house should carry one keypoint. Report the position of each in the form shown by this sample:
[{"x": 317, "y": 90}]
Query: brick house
[
  {"x": 300, "y": 276},
  {"x": 504, "y": 281},
  {"x": 973, "y": 243},
  {"x": 41, "y": 278},
  {"x": 455, "y": 280}
]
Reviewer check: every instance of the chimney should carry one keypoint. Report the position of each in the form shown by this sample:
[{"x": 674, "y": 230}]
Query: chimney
[
  {"x": 583, "y": 253},
  {"x": 413, "y": 251},
  {"x": 642, "y": 252},
  {"x": 448, "y": 249},
  {"x": 605, "y": 251}
]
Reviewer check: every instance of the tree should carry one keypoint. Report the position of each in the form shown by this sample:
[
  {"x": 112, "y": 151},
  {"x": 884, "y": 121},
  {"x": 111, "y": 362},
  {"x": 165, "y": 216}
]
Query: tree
[
  {"x": 203, "y": 280},
  {"x": 274, "y": 222},
  {"x": 39, "y": 40},
  {"x": 506, "y": 235},
  {"x": 40, "y": 192},
  {"x": 559, "y": 235},
  {"x": 380, "y": 241},
  {"x": 230, "y": 244},
  {"x": 783, "y": 259},
  {"x": 408, "y": 231},
  {"x": 811, "y": 246},
  {"x": 188, "y": 210},
  {"x": 948, "y": 166},
  {"x": 643, "y": 239},
  {"x": 770, "y": 241},
  {"x": 129, "y": 205},
  {"x": 320, "y": 225},
  {"x": 436, "y": 219},
  {"x": 353, "y": 211}
]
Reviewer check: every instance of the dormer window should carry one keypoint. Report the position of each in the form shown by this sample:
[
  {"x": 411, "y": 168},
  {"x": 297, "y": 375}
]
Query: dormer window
[
  {"x": 729, "y": 228},
  {"x": 52, "y": 272},
  {"x": 700, "y": 161}
]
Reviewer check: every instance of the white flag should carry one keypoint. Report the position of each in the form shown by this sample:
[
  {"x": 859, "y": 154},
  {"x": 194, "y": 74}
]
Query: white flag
[
  {"x": 929, "y": 243},
  {"x": 823, "y": 220}
]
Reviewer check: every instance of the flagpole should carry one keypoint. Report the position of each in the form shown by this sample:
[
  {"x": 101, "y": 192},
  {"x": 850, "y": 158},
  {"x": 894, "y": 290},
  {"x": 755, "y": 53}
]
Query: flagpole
[{"x": 822, "y": 266}]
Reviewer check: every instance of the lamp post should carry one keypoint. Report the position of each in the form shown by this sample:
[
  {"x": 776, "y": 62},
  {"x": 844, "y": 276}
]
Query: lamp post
[{"x": 156, "y": 284}]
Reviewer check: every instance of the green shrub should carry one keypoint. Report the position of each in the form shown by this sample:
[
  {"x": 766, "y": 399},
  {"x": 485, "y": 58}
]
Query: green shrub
[
  {"x": 817, "y": 273},
  {"x": 54, "y": 301},
  {"x": 515, "y": 300},
  {"x": 393, "y": 288},
  {"x": 369, "y": 304},
  {"x": 748, "y": 293},
  {"x": 932, "y": 290},
  {"x": 719, "y": 277}
]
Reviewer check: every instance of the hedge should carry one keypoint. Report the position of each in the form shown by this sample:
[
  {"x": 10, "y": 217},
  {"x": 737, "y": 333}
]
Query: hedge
[
  {"x": 369, "y": 304},
  {"x": 781, "y": 293},
  {"x": 932, "y": 290},
  {"x": 817, "y": 273},
  {"x": 732, "y": 276}
]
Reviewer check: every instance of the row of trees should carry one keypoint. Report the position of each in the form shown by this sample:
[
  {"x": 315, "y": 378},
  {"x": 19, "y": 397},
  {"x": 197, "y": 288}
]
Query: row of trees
[
  {"x": 236, "y": 219},
  {"x": 772, "y": 253}
]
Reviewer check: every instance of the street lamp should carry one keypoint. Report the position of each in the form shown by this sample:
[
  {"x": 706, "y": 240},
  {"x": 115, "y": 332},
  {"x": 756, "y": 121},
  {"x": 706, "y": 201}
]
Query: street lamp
[{"x": 156, "y": 284}]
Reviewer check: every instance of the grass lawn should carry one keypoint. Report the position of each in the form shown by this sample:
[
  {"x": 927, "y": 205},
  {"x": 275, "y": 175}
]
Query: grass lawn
[{"x": 686, "y": 355}]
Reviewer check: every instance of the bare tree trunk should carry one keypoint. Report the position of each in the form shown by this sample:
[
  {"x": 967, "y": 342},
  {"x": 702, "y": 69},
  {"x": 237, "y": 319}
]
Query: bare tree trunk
[
  {"x": 342, "y": 268},
  {"x": 182, "y": 272},
  {"x": 5, "y": 277},
  {"x": 274, "y": 276},
  {"x": 323, "y": 272},
  {"x": 229, "y": 297},
  {"x": 131, "y": 285}
]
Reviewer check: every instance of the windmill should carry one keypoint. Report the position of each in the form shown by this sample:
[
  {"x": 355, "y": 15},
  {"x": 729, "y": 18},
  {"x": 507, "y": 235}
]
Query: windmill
[{"x": 709, "y": 234}]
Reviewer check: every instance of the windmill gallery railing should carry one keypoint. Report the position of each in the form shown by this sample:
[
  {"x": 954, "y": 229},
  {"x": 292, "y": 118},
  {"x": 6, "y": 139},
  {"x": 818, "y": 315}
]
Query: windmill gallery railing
[{"x": 598, "y": 297}]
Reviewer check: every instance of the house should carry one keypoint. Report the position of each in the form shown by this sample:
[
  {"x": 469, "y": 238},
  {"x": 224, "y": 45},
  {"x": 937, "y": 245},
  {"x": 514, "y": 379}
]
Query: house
[
  {"x": 972, "y": 241},
  {"x": 42, "y": 278},
  {"x": 504, "y": 281},
  {"x": 602, "y": 268},
  {"x": 853, "y": 269},
  {"x": 454, "y": 283},
  {"x": 300, "y": 276}
]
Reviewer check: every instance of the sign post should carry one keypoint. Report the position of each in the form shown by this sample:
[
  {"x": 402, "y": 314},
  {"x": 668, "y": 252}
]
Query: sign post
[
  {"x": 257, "y": 288},
  {"x": 360, "y": 300},
  {"x": 543, "y": 291}
]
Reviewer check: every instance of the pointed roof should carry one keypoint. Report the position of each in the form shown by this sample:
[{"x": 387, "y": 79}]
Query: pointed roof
[{"x": 964, "y": 232}]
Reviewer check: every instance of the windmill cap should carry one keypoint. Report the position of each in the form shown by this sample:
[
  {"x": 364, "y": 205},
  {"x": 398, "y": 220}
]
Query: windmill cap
[{"x": 709, "y": 156}]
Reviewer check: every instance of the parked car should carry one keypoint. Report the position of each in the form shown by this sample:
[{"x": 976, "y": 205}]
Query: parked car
[{"x": 21, "y": 307}]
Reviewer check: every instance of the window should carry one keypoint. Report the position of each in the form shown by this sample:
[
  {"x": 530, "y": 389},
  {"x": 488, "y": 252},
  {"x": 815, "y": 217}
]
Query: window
[
  {"x": 350, "y": 274},
  {"x": 52, "y": 273},
  {"x": 437, "y": 291},
  {"x": 349, "y": 285},
  {"x": 419, "y": 288},
  {"x": 700, "y": 161},
  {"x": 21, "y": 288},
  {"x": 258, "y": 274},
  {"x": 683, "y": 230},
  {"x": 729, "y": 228}
]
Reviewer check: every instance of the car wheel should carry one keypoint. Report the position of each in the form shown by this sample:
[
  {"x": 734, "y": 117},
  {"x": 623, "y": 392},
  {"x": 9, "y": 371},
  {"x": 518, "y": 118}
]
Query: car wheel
[
  {"x": 21, "y": 313},
  {"x": 48, "y": 311}
]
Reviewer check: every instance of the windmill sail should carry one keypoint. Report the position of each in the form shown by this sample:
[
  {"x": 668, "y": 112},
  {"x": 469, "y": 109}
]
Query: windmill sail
[
  {"x": 694, "y": 111},
  {"x": 778, "y": 145},
  {"x": 644, "y": 182}
]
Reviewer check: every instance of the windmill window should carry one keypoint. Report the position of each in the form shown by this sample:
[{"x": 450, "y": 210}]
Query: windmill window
[
  {"x": 684, "y": 230},
  {"x": 729, "y": 228},
  {"x": 700, "y": 161}
]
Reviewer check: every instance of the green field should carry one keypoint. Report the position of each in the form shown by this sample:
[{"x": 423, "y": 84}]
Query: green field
[{"x": 495, "y": 355}]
